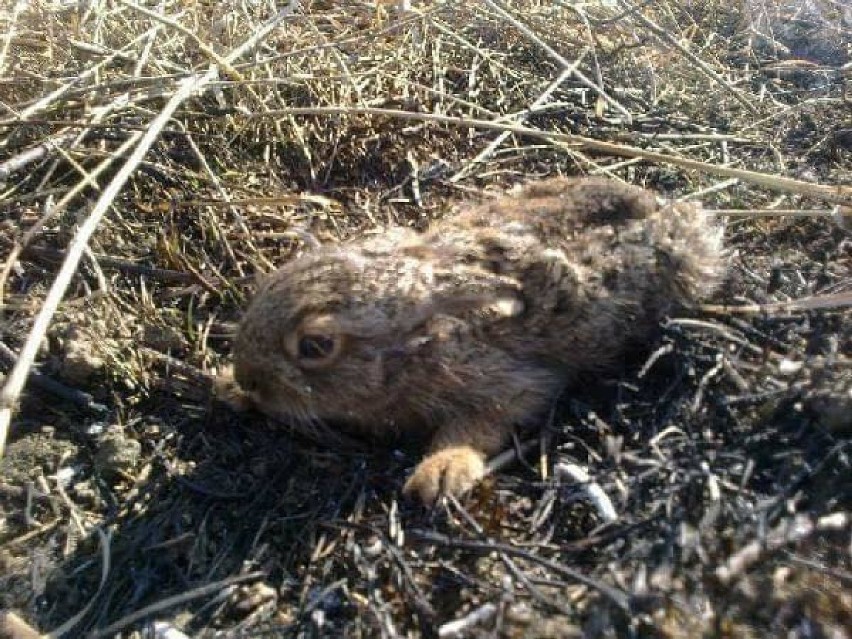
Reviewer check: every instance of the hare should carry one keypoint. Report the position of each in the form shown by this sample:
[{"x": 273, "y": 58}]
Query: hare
[{"x": 458, "y": 334}]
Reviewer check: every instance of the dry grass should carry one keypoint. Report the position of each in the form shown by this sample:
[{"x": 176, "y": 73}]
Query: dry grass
[{"x": 154, "y": 158}]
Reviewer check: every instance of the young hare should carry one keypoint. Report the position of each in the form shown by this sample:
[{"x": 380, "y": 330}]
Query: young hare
[{"x": 462, "y": 332}]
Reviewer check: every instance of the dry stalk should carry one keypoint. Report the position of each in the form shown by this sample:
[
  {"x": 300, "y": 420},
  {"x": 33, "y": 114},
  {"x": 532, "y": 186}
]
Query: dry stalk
[
  {"x": 509, "y": 456},
  {"x": 812, "y": 303},
  {"x": 221, "y": 237},
  {"x": 593, "y": 491},
  {"x": 168, "y": 602},
  {"x": 221, "y": 62},
  {"x": 839, "y": 194},
  {"x": 539, "y": 101},
  {"x": 775, "y": 212},
  {"x": 99, "y": 114},
  {"x": 368, "y": 34},
  {"x": 719, "y": 186},
  {"x": 51, "y": 97},
  {"x": 186, "y": 88},
  {"x": 10, "y": 32},
  {"x": 18, "y": 376},
  {"x": 57, "y": 208},
  {"x": 105, "y": 539},
  {"x": 789, "y": 531},
  {"x": 462, "y": 627},
  {"x": 33, "y": 154}
]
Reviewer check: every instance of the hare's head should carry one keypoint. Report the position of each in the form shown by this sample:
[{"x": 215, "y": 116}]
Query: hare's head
[
  {"x": 335, "y": 333},
  {"x": 306, "y": 345}
]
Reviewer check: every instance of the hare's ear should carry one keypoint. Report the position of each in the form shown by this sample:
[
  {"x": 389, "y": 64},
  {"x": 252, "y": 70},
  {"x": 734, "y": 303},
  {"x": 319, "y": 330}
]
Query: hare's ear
[
  {"x": 479, "y": 292},
  {"x": 496, "y": 305},
  {"x": 418, "y": 250},
  {"x": 510, "y": 306}
]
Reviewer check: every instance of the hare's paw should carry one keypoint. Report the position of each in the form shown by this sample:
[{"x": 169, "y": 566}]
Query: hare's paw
[
  {"x": 450, "y": 471},
  {"x": 227, "y": 391}
]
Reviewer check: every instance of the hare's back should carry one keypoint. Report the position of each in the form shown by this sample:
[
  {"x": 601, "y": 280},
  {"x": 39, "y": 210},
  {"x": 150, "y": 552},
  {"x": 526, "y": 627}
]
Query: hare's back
[{"x": 563, "y": 207}]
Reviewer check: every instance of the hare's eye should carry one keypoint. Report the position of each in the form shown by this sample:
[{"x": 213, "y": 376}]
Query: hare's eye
[
  {"x": 316, "y": 347},
  {"x": 316, "y": 343}
]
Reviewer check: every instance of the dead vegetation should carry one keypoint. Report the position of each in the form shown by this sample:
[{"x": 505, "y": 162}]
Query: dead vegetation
[{"x": 155, "y": 157}]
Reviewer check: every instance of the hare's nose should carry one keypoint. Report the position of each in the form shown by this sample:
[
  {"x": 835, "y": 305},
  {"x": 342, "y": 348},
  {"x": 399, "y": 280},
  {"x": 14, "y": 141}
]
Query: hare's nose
[{"x": 248, "y": 379}]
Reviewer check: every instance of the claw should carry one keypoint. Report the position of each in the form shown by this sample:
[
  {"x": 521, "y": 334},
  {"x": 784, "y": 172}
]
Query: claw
[{"x": 450, "y": 471}]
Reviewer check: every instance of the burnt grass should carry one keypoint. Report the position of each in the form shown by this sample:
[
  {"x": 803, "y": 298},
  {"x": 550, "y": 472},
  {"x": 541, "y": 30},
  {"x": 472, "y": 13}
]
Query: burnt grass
[{"x": 133, "y": 502}]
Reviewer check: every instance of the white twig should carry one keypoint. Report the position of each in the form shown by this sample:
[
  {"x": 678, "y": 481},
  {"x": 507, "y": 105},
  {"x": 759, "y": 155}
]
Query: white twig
[
  {"x": 105, "y": 539},
  {"x": 458, "y": 628},
  {"x": 165, "y": 630},
  {"x": 812, "y": 303},
  {"x": 33, "y": 154},
  {"x": 719, "y": 186},
  {"x": 705, "y": 381},
  {"x": 508, "y": 456},
  {"x": 665, "y": 349},
  {"x": 596, "y": 495}
]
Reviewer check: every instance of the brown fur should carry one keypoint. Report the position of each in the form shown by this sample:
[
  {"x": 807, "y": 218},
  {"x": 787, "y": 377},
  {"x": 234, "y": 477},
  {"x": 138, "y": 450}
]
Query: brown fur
[{"x": 460, "y": 333}]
